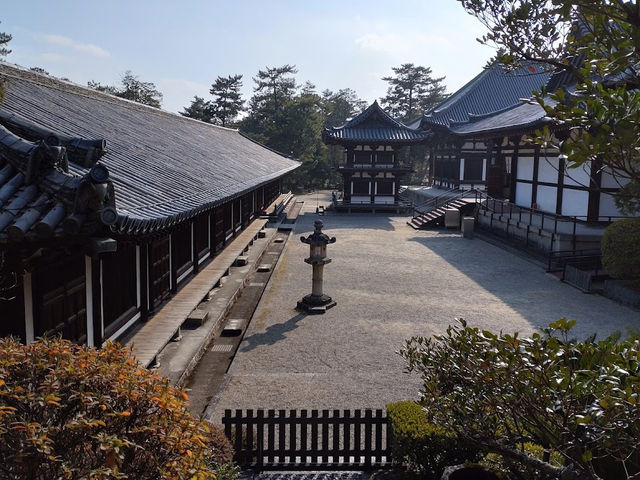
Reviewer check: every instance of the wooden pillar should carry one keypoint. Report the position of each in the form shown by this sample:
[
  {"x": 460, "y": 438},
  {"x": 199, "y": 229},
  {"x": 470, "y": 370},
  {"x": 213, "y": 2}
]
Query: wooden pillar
[
  {"x": 593, "y": 207},
  {"x": 28, "y": 308},
  {"x": 194, "y": 253},
  {"x": 514, "y": 169},
  {"x": 536, "y": 166},
  {"x": 561, "y": 167}
]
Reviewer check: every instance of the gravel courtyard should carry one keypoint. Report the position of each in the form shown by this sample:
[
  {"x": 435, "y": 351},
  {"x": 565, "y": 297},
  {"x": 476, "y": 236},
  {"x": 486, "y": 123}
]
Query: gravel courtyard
[{"x": 390, "y": 282}]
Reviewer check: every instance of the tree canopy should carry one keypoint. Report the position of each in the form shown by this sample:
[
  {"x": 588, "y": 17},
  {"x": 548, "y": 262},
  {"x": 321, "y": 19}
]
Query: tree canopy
[
  {"x": 132, "y": 88},
  {"x": 5, "y": 38},
  {"x": 597, "y": 43},
  {"x": 227, "y": 102},
  {"x": 412, "y": 91},
  {"x": 498, "y": 391},
  {"x": 200, "y": 109}
]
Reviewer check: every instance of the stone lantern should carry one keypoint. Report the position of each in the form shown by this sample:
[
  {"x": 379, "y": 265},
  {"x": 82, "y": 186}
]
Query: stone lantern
[{"x": 317, "y": 302}]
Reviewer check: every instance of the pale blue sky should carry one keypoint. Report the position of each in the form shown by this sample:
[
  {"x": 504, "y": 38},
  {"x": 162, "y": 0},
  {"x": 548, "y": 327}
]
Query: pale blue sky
[{"x": 183, "y": 46}]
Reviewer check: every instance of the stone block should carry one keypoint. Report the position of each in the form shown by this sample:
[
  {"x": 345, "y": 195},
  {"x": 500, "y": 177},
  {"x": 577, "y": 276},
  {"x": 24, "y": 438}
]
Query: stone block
[
  {"x": 467, "y": 227},
  {"x": 452, "y": 218},
  {"x": 197, "y": 318}
]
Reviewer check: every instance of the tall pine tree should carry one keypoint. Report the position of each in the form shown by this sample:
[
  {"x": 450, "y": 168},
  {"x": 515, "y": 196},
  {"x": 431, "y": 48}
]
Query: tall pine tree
[
  {"x": 412, "y": 91},
  {"x": 227, "y": 102}
]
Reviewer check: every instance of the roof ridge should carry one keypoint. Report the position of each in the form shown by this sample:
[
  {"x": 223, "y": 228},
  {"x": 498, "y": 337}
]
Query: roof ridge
[{"x": 60, "y": 84}]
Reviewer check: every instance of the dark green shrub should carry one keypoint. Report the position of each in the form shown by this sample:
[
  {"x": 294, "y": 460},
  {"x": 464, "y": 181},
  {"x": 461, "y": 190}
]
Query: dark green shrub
[
  {"x": 498, "y": 391},
  {"x": 421, "y": 447},
  {"x": 621, "y": 249}
]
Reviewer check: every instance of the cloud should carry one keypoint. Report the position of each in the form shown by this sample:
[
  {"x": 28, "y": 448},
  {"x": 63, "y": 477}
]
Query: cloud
[
  {"x": 86, "y": 48},
  {"x": 403, "y": 43}
]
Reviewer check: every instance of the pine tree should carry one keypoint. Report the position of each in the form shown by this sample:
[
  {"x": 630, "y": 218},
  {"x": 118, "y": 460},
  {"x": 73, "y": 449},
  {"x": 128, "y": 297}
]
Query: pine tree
[
  {"x": 227, "y": 102},
  {"x": 412, "y": 91},
  {"x": 132, "y": 89},
  {"x": 273, "y": 86},
  {"x": 199, "y": 109}
]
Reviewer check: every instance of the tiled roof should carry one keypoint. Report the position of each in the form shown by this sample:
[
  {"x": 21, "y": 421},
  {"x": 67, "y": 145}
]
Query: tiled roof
[
  {"x": 520, "y": 118},
  {"x": 40, "y": 199},
  {"x": 164, "y": 167},
  {"x": 373, "y": 125},
  {"x": 493, "y": 90}
]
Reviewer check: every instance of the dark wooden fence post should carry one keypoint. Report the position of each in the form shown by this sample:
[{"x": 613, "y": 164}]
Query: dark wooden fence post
[{"x": 327, "y": 439}]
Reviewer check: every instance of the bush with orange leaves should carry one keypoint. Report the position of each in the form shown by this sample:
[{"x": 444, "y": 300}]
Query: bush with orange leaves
[{"x": 72, "y": 412}]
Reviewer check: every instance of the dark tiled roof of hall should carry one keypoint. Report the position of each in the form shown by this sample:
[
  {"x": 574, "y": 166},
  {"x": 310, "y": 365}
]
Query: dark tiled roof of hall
[
  {"x": 165, "y": 168},
  {"x": 373, "y": 125},
  {"x": 494, "y": 90}
]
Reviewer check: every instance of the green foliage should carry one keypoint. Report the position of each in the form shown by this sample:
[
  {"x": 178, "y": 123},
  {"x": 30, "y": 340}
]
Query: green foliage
[
  {"x": 499, "y": 391},
  {"x": 512, "y": 469},
  {"x": 596, "y": 42},
  {"x": 421, "y": 447},
  {"x": 412, "y": 91},
  {"x": 227, "y": 102},
  {"x": 199, "y": 109},
  {"x": 132, "y": 89},
  {"x": 290, "y": 120},
  {"x": 621, "y": 249},
  {"x": 72, "y": 412},
  {"x": 5, "y": 38}
]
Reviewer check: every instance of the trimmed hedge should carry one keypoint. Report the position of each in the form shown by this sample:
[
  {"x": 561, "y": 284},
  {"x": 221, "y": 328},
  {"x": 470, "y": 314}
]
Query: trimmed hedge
[
  {"x": 621, "y": 249},
  {"x": 421, "y": 447}
]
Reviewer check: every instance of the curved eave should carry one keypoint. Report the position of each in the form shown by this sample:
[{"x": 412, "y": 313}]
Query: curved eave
[
  {"x": 522, "y": 129},
  {"x": 131, "y": 224}
]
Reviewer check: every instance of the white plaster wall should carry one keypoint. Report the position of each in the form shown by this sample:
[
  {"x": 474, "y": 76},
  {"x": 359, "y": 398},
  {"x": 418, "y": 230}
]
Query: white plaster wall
[
  {"x": 578, "y": 176},
  {"x": 611, "y": 180},
  {"x": 548, "y": 169},
  {"x": 360, "y": 199},
  {"x": 608, "y": 206},
  {"x": 384, "y": 200},
  {"x": 523, "y": 194},
  {"x": 525, "y": 168},
  {"x": 546, "y": 198},
  {"x": 575, "y": 203}
]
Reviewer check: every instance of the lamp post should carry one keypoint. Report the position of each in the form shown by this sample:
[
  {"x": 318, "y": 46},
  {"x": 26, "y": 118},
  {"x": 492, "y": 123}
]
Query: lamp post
[{"x": 317, "y": 302}]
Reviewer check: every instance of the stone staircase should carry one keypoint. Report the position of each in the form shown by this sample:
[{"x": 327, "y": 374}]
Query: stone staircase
[{"x": 435, "y": 217}]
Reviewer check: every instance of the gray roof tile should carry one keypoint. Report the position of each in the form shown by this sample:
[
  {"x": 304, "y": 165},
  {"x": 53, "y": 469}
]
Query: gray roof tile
[{"x": 164, "y": 167}]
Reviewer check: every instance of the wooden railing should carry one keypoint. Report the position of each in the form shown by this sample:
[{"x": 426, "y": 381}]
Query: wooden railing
[{"x": 299, "y": 439}]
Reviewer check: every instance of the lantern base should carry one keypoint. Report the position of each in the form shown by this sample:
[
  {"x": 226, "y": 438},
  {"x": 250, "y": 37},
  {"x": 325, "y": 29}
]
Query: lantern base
[{"x": 315, "y": 305}]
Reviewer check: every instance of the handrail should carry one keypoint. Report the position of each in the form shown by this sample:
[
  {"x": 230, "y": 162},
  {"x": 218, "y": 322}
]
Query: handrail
[{"x": 441, "y": 200}]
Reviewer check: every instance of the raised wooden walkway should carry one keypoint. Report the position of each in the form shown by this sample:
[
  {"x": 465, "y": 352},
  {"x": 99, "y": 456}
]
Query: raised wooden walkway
[{"x": 154, "y": 335}]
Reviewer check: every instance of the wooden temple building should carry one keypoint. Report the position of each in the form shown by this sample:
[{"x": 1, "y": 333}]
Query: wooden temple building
[
  {"x": 108, "y": 207},
  {"x": 477, "y": 139},
  {"x": 372, "y": 170}
]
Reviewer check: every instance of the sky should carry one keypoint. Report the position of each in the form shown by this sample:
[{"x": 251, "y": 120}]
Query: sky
[{"x": 182, "y": 46}]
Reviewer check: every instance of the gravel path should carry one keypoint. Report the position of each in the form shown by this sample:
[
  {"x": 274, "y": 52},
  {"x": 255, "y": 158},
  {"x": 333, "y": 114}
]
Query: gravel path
[{"x": 390, "y": 282}]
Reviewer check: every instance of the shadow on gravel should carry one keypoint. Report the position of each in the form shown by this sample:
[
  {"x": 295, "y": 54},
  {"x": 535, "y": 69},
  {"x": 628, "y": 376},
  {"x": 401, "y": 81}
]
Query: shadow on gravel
[
  {"x": 334, "y": 221},
  {"x": 273, "y": 334}
]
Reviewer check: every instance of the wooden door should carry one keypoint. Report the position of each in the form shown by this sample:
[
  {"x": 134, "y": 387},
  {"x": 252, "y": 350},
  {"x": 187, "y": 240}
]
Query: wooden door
[
  {"x": 60, "y": 299},
  {"x": 495, "y": 180}
]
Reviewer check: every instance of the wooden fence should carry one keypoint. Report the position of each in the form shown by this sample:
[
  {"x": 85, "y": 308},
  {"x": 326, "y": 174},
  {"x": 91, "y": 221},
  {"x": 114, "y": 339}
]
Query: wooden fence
[{"x": 299, "y": 439}]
